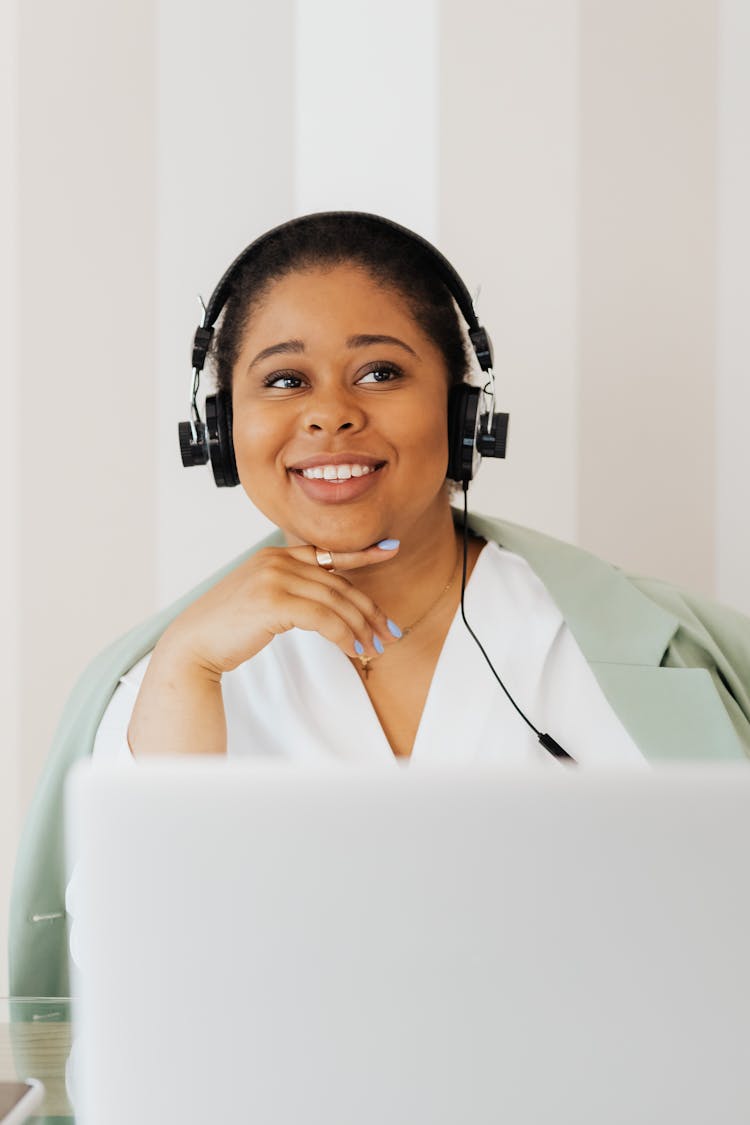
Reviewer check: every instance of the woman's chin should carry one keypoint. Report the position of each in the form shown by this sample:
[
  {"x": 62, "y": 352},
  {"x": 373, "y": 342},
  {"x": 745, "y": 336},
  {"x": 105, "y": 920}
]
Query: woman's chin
[
  {"x": 345, "y": 544},
  {"x": 334, "y": 536}
]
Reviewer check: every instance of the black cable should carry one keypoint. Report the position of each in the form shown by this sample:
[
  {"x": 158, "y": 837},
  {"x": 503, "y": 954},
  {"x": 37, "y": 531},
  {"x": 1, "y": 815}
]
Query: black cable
[{"x": 547, "y": 741}]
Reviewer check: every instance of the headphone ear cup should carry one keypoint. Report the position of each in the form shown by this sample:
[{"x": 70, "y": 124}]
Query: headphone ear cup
[
  {"x": 220, "y": 442},
  {"x": 463, "y": 403}
]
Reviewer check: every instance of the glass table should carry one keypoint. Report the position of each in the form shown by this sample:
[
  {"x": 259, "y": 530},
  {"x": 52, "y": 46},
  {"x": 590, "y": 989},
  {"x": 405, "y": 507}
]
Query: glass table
[{"x": 35, "y": 1038}]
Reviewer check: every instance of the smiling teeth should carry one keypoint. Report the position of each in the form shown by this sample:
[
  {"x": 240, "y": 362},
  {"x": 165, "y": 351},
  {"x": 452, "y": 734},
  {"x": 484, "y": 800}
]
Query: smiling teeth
[{"x": 337, "y": 472}]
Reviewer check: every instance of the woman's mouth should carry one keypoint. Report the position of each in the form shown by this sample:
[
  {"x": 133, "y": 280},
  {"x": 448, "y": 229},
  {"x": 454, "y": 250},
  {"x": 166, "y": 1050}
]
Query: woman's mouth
[
  {"x": 338, "y": 472},
  {"x": 337, "y": 483}
]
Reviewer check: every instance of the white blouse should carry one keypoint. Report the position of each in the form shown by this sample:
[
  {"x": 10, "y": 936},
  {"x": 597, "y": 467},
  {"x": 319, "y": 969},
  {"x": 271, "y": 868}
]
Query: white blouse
[{"x": 301, "y": 699}]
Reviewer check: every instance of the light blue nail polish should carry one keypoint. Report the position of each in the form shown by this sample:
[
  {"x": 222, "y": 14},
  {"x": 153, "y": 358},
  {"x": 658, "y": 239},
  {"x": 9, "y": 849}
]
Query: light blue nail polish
[
  {"x": 378, "y": 643},
  {"x": 359, "y": 648},
  {"x": 389, "y": 544},
  {"x": 394, "y": 629}
]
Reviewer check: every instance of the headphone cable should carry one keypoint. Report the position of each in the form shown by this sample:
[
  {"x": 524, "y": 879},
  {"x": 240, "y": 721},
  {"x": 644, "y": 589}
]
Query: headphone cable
[{"x": 547, "y": 741}]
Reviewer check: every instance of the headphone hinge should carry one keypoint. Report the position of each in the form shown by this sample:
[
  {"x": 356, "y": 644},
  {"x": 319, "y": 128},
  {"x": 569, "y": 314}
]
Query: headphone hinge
[
  {"x": 201, "y": 344},
  {"x": 492, "y": 439},
  {"x": 482, "y": 345}
]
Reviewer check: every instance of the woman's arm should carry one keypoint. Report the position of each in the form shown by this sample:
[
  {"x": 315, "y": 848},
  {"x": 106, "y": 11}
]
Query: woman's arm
[{"x": 179, "y": 708}]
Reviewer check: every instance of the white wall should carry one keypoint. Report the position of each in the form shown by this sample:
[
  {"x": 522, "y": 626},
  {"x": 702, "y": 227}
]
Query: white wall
[
  {"x": 732, "y": 299},
  {"x": 10, "y": 673},
  {"x": 225, "y": 174},
  {"x": 585, "y": 161},
  {"x": 86, "y": 318},
  {"x": 360, "y": 144},
  {"x": 647, "y": 265},
  {"x": 78, "y": 290}
]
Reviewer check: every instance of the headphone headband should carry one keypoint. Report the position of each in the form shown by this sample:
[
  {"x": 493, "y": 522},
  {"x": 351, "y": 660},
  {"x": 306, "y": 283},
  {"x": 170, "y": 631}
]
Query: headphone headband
[{"x": 442, "y": 267}]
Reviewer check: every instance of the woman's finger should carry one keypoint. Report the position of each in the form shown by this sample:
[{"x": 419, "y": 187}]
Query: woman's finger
[
  {"x": 365, "y": 619},
  {"x": 347, "y": 560}
]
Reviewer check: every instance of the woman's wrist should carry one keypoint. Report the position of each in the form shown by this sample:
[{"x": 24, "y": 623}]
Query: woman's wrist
[{"x": 176, "y": 653}]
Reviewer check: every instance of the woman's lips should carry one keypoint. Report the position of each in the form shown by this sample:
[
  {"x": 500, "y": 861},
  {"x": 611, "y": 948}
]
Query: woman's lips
[{"x": 336, "y": 491}]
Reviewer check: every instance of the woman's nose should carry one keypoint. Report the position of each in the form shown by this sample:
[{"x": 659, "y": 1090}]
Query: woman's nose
[{"x": 332, "y": 412}]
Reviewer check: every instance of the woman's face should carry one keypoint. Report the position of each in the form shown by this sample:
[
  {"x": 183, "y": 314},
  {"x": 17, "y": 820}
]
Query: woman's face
[{"x": 332, "y": 400}]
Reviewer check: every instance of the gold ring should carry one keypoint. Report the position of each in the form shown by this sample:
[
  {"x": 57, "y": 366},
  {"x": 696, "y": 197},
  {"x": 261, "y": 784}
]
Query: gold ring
[{"x": 324, "y": 558}]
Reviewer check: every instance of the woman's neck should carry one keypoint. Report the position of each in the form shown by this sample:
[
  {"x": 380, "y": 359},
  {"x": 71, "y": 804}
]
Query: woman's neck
[{"x": 429, "y": 557}]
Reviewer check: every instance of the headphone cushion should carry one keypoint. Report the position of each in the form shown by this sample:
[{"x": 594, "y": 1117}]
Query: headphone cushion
[
  {"x": 463, "y": 403},
  {"x": 219, "y": 420}
]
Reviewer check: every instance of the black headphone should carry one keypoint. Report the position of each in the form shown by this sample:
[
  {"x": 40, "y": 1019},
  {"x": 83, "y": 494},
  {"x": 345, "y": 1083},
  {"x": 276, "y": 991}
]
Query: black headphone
[{"x": 471, "y": 434}]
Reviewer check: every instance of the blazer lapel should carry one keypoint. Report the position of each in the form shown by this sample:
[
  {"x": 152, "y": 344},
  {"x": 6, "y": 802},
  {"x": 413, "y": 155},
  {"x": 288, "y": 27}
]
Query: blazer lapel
[{"x": 673, "y": 714}]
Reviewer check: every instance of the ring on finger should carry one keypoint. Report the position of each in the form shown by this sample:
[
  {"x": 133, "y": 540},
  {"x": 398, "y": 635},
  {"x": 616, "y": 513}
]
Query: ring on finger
[{"x": 324, "y": 558}]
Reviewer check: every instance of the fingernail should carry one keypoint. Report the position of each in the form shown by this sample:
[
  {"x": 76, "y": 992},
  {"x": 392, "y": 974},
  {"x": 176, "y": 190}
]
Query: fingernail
[
  {"x": 359, "y": 648},
  {"x": 389, "y": 544},
  {"x": 394, "y": 629},
  {"x": 378, "y": 643}
]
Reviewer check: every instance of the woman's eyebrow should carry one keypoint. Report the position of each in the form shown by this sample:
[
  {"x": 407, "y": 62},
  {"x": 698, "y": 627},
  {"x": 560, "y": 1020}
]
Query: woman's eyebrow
[
  {"x": 363, "y": 340},
  {"x": 275, "y": 349}
]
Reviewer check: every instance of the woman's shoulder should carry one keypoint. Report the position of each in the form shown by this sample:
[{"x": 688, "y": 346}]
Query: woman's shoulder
[
  {"x": 592, "y": 590},
  {"x": 534, "y": 544},
  {"x": 721, "y": 630}
]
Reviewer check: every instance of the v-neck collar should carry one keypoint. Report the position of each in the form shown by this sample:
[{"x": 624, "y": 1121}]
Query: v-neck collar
[
  {"x": 453, "y": 734},
  {"x": 356, "y": 712}
]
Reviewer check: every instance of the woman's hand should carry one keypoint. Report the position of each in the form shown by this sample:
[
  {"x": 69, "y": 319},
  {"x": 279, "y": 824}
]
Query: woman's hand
[
  {"x": 275, "y": 590},
  {"x": 179, "y": 708}
]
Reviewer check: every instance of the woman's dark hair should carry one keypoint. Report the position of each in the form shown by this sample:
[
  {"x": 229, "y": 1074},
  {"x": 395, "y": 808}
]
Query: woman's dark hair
[{"x": 391, "y": 259}]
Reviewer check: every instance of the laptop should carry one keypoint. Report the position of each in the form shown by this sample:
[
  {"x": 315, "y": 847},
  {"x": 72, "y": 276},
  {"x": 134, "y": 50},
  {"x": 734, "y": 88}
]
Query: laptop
[{"x": 267, "y": 943}]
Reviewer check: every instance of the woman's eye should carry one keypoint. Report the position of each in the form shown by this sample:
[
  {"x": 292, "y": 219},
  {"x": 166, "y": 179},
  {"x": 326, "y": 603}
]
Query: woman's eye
[
  {"x": 286, "y": 380},
  {"x": 290, "y": 381},
  {"x": 382, "y": 373}
]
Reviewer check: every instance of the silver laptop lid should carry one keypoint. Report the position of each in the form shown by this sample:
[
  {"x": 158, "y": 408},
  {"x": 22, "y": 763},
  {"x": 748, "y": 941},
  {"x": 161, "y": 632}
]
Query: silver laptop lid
[{"x": 267, "y": 944}]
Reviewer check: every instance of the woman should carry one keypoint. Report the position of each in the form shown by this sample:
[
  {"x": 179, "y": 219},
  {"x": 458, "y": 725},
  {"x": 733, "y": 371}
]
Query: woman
[{"x": 338, "y": 348}]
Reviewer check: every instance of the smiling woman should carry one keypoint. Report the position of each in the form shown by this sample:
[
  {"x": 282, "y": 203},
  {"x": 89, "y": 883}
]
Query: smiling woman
[{"x": 337, "y": 359}]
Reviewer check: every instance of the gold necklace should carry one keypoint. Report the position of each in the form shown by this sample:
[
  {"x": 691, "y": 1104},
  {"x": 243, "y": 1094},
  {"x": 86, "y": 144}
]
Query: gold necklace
[{"x": 365, "y": 661}]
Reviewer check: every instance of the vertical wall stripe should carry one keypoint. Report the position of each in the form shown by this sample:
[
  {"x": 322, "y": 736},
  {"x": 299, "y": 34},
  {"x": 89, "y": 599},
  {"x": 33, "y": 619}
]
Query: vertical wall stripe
[
  {"x": 647, "y": 270},
  {"x": 86, "y": 337},
  {"x": 366, "y": 109},
  {"x": 733, "y": 307},
  {"x": 224, "y": 176},
  {"x": 10, "y": 618},
  {"x": 509, "y": 222}
]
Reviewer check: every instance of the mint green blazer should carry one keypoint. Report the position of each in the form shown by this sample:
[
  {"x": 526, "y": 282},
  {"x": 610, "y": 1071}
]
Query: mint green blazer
[{"x": 674, "y": 667}]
